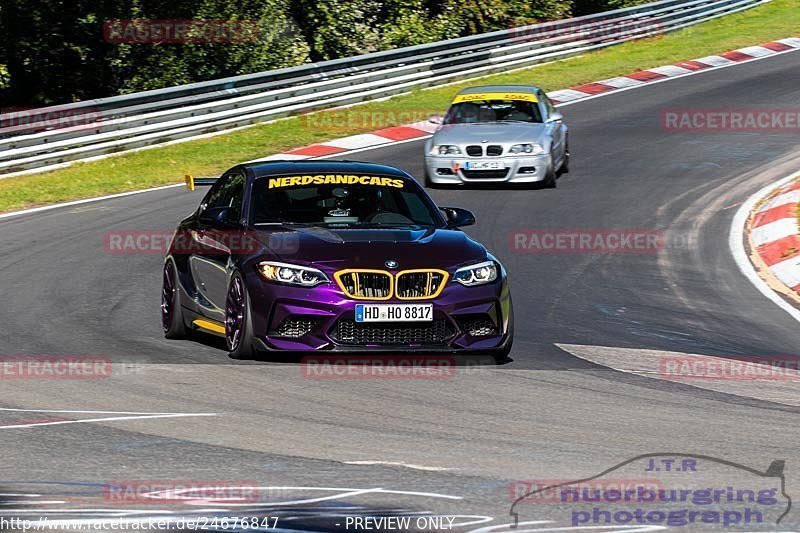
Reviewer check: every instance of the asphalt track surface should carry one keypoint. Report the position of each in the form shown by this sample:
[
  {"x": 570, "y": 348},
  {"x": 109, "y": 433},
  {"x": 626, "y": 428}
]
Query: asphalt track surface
[{"x": 461, "y": 440}]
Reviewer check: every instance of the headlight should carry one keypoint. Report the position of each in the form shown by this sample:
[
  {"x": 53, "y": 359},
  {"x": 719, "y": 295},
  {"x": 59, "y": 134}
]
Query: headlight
[
  {"x": 445, "y": 149},
  {"x": 292, "y": 274},
  {"x": 479, "y": 274},
  {"x": 530, "y": 148}
]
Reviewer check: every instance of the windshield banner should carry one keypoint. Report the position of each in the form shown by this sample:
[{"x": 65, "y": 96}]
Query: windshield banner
[{"x": 526, "y": 97}]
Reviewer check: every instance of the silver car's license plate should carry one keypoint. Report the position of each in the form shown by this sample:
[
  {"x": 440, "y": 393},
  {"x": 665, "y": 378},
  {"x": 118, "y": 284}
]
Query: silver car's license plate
[
  {"x": 394, "y": 312},
  {"x": 484, "y": 165}
]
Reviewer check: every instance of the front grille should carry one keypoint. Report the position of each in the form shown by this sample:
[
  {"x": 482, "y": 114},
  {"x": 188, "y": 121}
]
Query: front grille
[
  {"x": 418, "y": 284},
  {"x": 357, "y": 333},
  {"x": 365, "y": 284},
  {"x": 485, "y": 174},
  {"x": 475, "y": 150},
  {"x": 477, "y": 325},
  {"x": 294, "y": 327},
  {"x": 494, "y": 149}
]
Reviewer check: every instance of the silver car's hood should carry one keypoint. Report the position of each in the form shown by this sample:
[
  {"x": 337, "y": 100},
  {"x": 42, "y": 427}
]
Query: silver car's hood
[{"x": 494, "y": 132}]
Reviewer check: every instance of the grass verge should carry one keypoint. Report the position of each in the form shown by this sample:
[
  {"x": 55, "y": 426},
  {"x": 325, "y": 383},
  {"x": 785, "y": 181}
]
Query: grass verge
[{"x": 160, "y": 166}]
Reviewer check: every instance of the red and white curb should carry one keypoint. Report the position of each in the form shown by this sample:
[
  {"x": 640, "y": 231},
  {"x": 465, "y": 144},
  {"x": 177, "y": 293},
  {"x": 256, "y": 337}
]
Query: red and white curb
[
  {"x": 775, "y": 236},
  {"x": 419, "y": 130}
]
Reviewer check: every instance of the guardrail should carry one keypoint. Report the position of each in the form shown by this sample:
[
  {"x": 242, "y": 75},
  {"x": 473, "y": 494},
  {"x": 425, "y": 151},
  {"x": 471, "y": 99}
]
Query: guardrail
[{"x": 112, "y": 125}]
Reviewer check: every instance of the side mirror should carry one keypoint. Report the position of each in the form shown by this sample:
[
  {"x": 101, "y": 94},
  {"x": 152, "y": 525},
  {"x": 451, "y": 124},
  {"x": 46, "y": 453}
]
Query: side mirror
[
  {"x": 436, "y": 119},
  {"x": 458, "y": 217},
  {"x": 555, "y": 117},
  {"x": 218, "y": 217}
]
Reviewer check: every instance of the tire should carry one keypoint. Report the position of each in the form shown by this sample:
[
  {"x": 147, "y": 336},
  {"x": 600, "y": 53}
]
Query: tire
[
  {"x": 550, "y": 178},
  {"x": 501, "y": 355},
  {"x": 171, "y": 311},
  {"x": 565, "y": 165},
  {"x": 428, "y": 183},
  {"x": 238, "y": 321}
]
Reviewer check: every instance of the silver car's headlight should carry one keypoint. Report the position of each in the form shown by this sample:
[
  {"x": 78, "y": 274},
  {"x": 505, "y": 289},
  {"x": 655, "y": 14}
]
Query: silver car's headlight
[
  {"x": 445, "y": 149},
  {"x": 292, "y": 274},
  {"x": 479, "y": 274},
  {"x": 528, "y": 149}
]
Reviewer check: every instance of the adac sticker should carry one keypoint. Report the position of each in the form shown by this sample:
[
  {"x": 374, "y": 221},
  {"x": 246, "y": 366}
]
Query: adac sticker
[
  {"x": 334, "y": 179},
  {"x": 526, "y": 97}
]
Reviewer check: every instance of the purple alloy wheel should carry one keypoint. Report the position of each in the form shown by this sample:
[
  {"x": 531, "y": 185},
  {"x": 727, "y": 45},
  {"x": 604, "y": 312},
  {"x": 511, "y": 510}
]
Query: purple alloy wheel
[
  {"x": 234, "y": 314},
  {"x": 168, "y": 297}
]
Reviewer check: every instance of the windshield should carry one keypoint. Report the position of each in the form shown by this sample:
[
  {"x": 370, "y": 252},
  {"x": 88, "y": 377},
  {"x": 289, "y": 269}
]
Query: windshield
[
  {"x": 485, "y": 111},
  {"x": 336, "y": 200}
]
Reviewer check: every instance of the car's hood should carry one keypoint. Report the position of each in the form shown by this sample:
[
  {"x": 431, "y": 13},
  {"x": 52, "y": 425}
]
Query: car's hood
[
  {"x": 371, "y": 248},
  {"x": 504, "y": 132}
]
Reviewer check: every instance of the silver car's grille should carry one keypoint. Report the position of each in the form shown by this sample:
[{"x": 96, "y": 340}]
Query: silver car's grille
[
  {"x": 494, "y": 150},
  {"x": 475, "y": 150},
  {"x": 485, "y": 174}
]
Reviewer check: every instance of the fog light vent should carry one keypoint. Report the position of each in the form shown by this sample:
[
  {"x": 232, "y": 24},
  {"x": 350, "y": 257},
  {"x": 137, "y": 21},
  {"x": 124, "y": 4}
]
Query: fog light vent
[
  {"x": 477, "y": 325},
  {"x": 294, "y": 327}
]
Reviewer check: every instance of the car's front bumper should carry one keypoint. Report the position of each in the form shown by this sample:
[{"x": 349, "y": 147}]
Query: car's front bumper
[
  {"x": 517, "y": 169},
  {"x": 465, "y": 319}
]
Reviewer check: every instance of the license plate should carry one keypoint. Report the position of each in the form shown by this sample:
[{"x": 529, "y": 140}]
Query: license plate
[
  {"x": 484, "y": 165},
  {"x": 394, "y": 312}
]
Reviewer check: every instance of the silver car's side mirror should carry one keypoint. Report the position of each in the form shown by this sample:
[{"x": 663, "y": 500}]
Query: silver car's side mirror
[
  {"x": 555, "y": 117},
  {"x": 435, "y": 119}
]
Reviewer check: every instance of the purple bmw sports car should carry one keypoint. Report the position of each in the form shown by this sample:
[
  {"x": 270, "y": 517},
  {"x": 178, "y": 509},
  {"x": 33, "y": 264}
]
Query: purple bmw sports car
[{"x": 332, "y": 256}]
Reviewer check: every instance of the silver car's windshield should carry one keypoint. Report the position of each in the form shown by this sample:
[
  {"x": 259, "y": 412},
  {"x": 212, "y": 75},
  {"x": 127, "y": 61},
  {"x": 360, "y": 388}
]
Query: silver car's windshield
[{"x": 486, "y": 111}]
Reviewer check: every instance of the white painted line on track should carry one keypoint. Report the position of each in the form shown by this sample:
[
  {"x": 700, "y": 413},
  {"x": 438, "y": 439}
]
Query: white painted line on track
[
  {"x": 14, "y": 409},
  {"x": 86, "y": 201},
  {"x": 396, "y": 463},
  {"x": 33, "y": 502},
  {"x": 736, "y": 245},
  {"x": 341, "y": 492},
  {"x": 125, "y": 415},
  {"x": 106, "y": 419}
]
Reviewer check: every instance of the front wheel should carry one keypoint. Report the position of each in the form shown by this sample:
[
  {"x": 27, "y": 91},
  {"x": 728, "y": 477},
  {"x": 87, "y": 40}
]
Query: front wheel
[
  {"x": 565, "y": 165},
  {"x": 551, "y": 176},
  {"x": 428, "y": 183},
  {"x": 238, "y": 322},
  {"x": 171, "y": 311},
  {"x": 501, "y": 355}
]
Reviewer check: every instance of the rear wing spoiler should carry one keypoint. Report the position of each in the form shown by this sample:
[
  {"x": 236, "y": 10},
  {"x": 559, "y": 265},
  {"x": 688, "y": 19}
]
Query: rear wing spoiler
[{"x": 192, "y": 182}]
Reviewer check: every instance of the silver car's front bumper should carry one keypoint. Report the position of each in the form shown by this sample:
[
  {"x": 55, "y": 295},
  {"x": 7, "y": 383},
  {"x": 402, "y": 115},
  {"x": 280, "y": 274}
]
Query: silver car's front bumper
[{"x": 444, "y": 170}]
